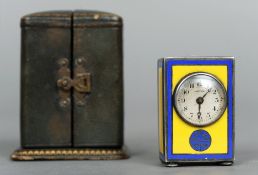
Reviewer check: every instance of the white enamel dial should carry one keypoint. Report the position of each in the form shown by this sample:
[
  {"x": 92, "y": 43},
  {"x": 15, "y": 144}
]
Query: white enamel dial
[{"x": 200, "y": 99}]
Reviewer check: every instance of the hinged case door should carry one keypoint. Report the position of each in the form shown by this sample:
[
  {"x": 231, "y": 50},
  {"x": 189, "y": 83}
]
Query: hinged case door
[
  {"x": 45, "y": 117},
  {"x": 98, "y": 114}
]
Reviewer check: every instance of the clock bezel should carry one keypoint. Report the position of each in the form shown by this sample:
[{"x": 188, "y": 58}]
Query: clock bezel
[{"x": 186, "y": 77}]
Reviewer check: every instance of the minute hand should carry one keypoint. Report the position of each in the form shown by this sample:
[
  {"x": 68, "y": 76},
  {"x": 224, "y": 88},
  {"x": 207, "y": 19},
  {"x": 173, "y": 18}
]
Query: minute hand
[{"x": 206, "y": 93}]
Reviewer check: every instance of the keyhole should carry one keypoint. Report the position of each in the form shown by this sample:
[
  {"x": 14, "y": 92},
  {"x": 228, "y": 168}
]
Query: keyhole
[{"x": 85, "y": 82}]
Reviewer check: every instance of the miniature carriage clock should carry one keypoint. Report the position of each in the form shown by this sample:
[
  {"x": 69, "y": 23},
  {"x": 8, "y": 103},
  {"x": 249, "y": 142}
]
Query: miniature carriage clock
[{"x": 196, "y": 110}]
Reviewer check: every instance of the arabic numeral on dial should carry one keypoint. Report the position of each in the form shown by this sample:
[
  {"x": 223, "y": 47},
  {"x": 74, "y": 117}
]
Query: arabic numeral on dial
[
  {"x": 215, "y": 92},
  {"x": 199, "y": 84},
  {"x": 216, "y": 99},
  {"x": 186, "y": 92},
  {"x": 191, "y": 114},
  {"x": 214, "y": 108},
  {"x": 185, "y": 108},
  {"x": 181, "y": 100}
]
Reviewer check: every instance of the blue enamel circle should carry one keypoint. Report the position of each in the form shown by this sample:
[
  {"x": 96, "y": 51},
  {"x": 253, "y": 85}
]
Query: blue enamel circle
[{"x": 200, "y": 140}]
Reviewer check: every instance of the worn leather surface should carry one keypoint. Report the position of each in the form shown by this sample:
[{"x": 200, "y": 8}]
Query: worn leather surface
[
  {"x": 99, "y": 122},
  {"x": 48, "y": 19},
  {"x": 44, "y": 123}
]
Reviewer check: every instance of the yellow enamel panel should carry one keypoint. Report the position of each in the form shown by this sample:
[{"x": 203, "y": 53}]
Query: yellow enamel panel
[
  {"x": 182, "y": 131},
  {"x": 161, "y": 143}
]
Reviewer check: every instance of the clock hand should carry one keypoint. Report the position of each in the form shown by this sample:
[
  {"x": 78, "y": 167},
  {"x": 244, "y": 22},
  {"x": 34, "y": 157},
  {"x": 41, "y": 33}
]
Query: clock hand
[
  {"x": 199, "y": 101},
  {"x": 199, "y": 111},
  {"x": 206, "y": 93}
]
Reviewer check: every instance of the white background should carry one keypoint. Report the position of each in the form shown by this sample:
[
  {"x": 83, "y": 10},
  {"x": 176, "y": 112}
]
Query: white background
[{"x": 152, "y": 29}]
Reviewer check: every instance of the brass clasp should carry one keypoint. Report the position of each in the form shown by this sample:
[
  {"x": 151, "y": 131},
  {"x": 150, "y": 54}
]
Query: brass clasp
[
  {"x": 81, "y": 83},
  {"x": 65, "y": 83}
]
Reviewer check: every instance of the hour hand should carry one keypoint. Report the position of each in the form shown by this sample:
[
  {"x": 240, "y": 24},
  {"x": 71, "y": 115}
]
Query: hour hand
[
  {"x": 199, "y": 111},
  {"x": 199, "y": 101}
]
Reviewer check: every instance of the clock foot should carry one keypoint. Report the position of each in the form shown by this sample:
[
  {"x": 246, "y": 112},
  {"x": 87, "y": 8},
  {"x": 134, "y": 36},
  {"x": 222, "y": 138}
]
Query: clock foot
[
  {"x": 227, "y": 163},
  {"x": 172, "y": 165}
]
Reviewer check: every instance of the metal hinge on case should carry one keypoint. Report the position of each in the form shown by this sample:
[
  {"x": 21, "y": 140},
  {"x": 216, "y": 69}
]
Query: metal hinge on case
[{"x": 81, "y": 83}]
